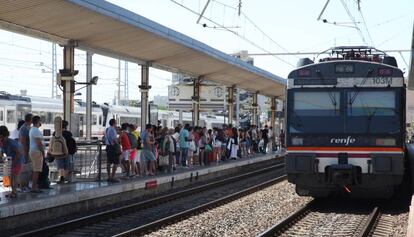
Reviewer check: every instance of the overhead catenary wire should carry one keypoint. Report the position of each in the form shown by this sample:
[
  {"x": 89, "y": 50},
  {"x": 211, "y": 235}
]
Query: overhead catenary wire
[{"x": 233, "y": 32}]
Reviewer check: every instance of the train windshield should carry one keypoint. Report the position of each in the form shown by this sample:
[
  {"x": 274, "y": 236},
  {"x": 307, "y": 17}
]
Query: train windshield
[
  {"x": 315, "y": 112},
  {"x": 372, "y": 112},
  {"x": 343, "y": 111}
]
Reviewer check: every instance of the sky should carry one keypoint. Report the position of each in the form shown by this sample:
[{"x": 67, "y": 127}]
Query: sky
[{"x": 264, "y": 26}]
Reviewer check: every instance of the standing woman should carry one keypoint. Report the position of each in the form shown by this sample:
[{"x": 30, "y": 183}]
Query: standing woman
[
  {"x": 216, "y": 146},
  {"x": 191, "y": 147},
  {"x": 234, "y": 141},
  {"x": 242, "y": 136},
  {"x": 203, "y": 141},
  {"x": 12, "y": 148},
  {"x": 248, "y": 142}
]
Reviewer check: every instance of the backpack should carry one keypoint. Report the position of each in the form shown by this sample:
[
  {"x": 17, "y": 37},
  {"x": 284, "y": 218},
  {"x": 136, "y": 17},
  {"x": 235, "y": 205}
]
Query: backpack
[
  {"x": 72, "y": 147},
  {"x": 57, "y": 147},
  {"x": 167, "y": 145},
  {"x": 43, "y": 178},
  {"x": 139, "y": 143},
  {"x": 132, "y": 140}
]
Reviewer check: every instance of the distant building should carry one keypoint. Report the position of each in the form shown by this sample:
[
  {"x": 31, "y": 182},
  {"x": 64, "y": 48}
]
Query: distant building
[{"x": 161, "y": 101}]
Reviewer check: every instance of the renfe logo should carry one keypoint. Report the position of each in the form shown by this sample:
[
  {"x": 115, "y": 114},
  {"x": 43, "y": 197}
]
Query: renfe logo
[{"x": 345, "y": 141}]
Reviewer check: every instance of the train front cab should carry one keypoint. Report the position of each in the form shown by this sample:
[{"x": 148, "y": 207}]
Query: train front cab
[{"x": 375, "y": 176}]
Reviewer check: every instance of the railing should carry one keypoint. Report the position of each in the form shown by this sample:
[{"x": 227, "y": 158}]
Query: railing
[{"x": 87, "y": 162}]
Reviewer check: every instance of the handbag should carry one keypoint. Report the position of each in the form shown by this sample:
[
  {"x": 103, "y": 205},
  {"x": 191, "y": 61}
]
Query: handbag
[
  {"x": 192, "y": 146},
  {"x": 163, "y": 160},
  {"x": 207, "y": 148}
]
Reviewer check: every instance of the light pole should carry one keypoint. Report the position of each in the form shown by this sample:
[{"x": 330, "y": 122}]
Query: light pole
[{"x": 88, "y": 84}]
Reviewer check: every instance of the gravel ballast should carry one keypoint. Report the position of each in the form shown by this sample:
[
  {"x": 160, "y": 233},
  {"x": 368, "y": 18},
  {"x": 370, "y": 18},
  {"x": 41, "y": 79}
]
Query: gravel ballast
[{"x": 247, "y": 216}]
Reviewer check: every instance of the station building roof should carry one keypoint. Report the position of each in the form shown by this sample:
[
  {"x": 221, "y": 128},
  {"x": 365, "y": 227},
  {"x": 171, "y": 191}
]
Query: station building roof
[{"x": 107, "y": 29}]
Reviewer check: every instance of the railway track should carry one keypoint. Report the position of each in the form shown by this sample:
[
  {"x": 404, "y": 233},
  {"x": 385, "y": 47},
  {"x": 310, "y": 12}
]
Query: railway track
[
  {"x": 146, "y": 215},
  {"x": 309, "y": 221}
]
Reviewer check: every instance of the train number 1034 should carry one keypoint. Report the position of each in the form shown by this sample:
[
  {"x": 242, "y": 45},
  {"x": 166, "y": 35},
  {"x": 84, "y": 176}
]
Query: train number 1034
[{"x": 382, "y": 80}]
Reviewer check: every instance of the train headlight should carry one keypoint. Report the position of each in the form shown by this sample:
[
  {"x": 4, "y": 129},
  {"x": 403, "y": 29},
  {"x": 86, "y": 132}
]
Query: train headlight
[
  {"x": 297, "y": 141},
  {"x": 385, "y": 142}
]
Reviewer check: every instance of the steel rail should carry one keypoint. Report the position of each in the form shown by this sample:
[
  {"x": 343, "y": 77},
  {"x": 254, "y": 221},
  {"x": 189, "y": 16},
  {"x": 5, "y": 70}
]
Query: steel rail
[
  {"x": 370, "y": 223},
  {"x": 95, "y": 218},
  {"x": 188, "y": 213},
  {"x": 288, "y": 221}
]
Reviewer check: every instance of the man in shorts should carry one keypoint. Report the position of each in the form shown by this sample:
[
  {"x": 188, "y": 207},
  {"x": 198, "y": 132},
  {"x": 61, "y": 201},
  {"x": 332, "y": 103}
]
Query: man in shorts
[
  {"x": 12, "y": 149},
  {"x": 24, "y": 141},
  {"x": 36, "y": 152},
  {"x": 112, "y": 158}
]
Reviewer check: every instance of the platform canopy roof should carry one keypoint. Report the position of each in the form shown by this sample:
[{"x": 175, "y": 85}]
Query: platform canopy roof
[{"x": 107, "y": 29}]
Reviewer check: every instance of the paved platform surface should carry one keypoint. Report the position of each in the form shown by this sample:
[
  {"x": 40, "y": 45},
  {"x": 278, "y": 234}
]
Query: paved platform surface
[{"x": 65, "y": 194}]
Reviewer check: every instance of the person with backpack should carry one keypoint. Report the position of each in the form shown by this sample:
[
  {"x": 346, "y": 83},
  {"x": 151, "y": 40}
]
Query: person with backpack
[
  {"x": 67, "y": 164},
  {"x": 113, "y": 150},
  {"x": 133, "y": 140},
  {"x": 169, "y": 148},
  {"x": 58, "y": 149},
  {"x": 138, "y": 147}
]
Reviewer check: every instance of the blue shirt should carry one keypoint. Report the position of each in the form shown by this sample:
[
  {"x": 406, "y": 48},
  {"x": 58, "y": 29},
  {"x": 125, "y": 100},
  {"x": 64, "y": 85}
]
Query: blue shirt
[
  {"x": 146, "y": 145},
  {"x": 33, "y": 134},
  {"x": 110, "y": 136},
  {"x": 183, "y": 138},
  {"x": 10, "y": 147},
  {"x": 24, "y": 132}
]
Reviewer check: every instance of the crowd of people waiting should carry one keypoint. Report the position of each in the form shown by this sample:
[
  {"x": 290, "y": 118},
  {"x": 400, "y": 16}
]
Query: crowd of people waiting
[
  {"x": 26, "y": 148},
  {"x": 155, "y": 148},
  {"x": 159, "y": 148}
]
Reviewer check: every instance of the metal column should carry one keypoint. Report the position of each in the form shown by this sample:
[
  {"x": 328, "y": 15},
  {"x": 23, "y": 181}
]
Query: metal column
[
  {"x": 254, "y": 109},
  {"x": 67, "y": 75},
  {"x": 180, "y": 117},
  {"x": 144, "y": 89},
  {"x": 88, "y": 95},
  {"x": 230, "y": 101},
  {"x": 273, "y": 120},
  {"x": 237, "y": 107},
  {"x": 196, "y": 101}
]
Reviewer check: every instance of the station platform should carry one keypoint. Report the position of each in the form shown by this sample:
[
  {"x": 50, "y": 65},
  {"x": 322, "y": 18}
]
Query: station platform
[{"x": 72, "y": 198}]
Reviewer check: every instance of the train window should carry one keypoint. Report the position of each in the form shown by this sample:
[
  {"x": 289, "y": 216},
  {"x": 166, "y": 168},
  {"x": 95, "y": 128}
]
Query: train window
[
  {"x": 1, "y": 116},
  {"x": 42, "y": 116},
  {"x": 49, "y": 117},
  {"x": 100, "y": 120},
  {"x": 371, "y": 103},
  {"x": 316, "y": 103},
  {"x": 94, "y": 119},
  {"x": 20, "y": 115},
  {"x": 10, "y": 116}
]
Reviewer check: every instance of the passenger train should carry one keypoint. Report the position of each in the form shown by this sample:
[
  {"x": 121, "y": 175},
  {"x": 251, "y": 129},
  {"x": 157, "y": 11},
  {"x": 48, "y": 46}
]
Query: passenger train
[
  {"x": 13, "y": 108},
  {"x": 346, "y": 124}
]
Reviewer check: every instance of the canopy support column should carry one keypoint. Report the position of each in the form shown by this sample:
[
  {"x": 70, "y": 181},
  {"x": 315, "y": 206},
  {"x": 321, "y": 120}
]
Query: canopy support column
[
  {"x": 254, "y": 109},
  {"x": 196, "y": 100},
  {"x": 88, "y": 95},
  {"x": 144, "y": 89},
  {"x": 272, "y": 121},
  {"x": 66, "y": 77},
  {"x": 230, "y": 101}
]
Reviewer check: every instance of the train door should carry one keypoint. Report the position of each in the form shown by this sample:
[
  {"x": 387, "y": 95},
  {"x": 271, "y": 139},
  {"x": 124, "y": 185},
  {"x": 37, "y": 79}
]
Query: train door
[{"x": 10, "y": 118}]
